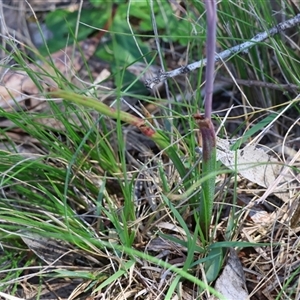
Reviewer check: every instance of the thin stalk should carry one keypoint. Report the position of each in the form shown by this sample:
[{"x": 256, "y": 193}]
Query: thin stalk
[
  {"x": 206, "y": 127},
  {"x": 211, "y": 17}
]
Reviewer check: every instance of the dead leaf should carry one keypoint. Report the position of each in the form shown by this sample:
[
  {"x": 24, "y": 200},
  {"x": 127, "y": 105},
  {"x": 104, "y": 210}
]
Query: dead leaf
[
  {"x": 232, "y": 283},
  {"x": 51, "y": 251},
  {"x": 257, "y": 166},
  {"x": 251, "y": 162},
  {"x": 17, "y": 86}
]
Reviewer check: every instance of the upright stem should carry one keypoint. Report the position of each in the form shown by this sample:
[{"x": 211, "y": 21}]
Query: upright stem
[
  {"x": 206, "y": 127},
  {"x": 211, "y": 19}
]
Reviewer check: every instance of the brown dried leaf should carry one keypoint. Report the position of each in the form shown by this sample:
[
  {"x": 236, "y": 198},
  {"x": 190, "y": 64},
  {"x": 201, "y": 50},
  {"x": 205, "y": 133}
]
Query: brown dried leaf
[
  {"x": 257, "y": 166},
  {"x": 51, "y": 251},
  {"x": 18, "y": 85},
  {"x": 231, "y": 283}
]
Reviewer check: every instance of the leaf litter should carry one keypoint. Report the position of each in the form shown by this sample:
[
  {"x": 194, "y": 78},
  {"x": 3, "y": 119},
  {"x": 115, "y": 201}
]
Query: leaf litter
[{"x": 256, "y": 165}]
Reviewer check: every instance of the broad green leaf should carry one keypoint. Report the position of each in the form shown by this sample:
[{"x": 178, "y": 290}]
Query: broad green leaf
[{"x": 214, "y": 263}]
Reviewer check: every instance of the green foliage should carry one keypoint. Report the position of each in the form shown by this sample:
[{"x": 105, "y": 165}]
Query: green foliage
[
  {"x": 178, "y": 29},
  {"x": 62, "y": 25}
]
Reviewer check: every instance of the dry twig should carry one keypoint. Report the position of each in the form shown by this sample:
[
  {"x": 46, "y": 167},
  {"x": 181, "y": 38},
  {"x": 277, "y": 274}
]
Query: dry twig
[{"x": 219, "y": 57}]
